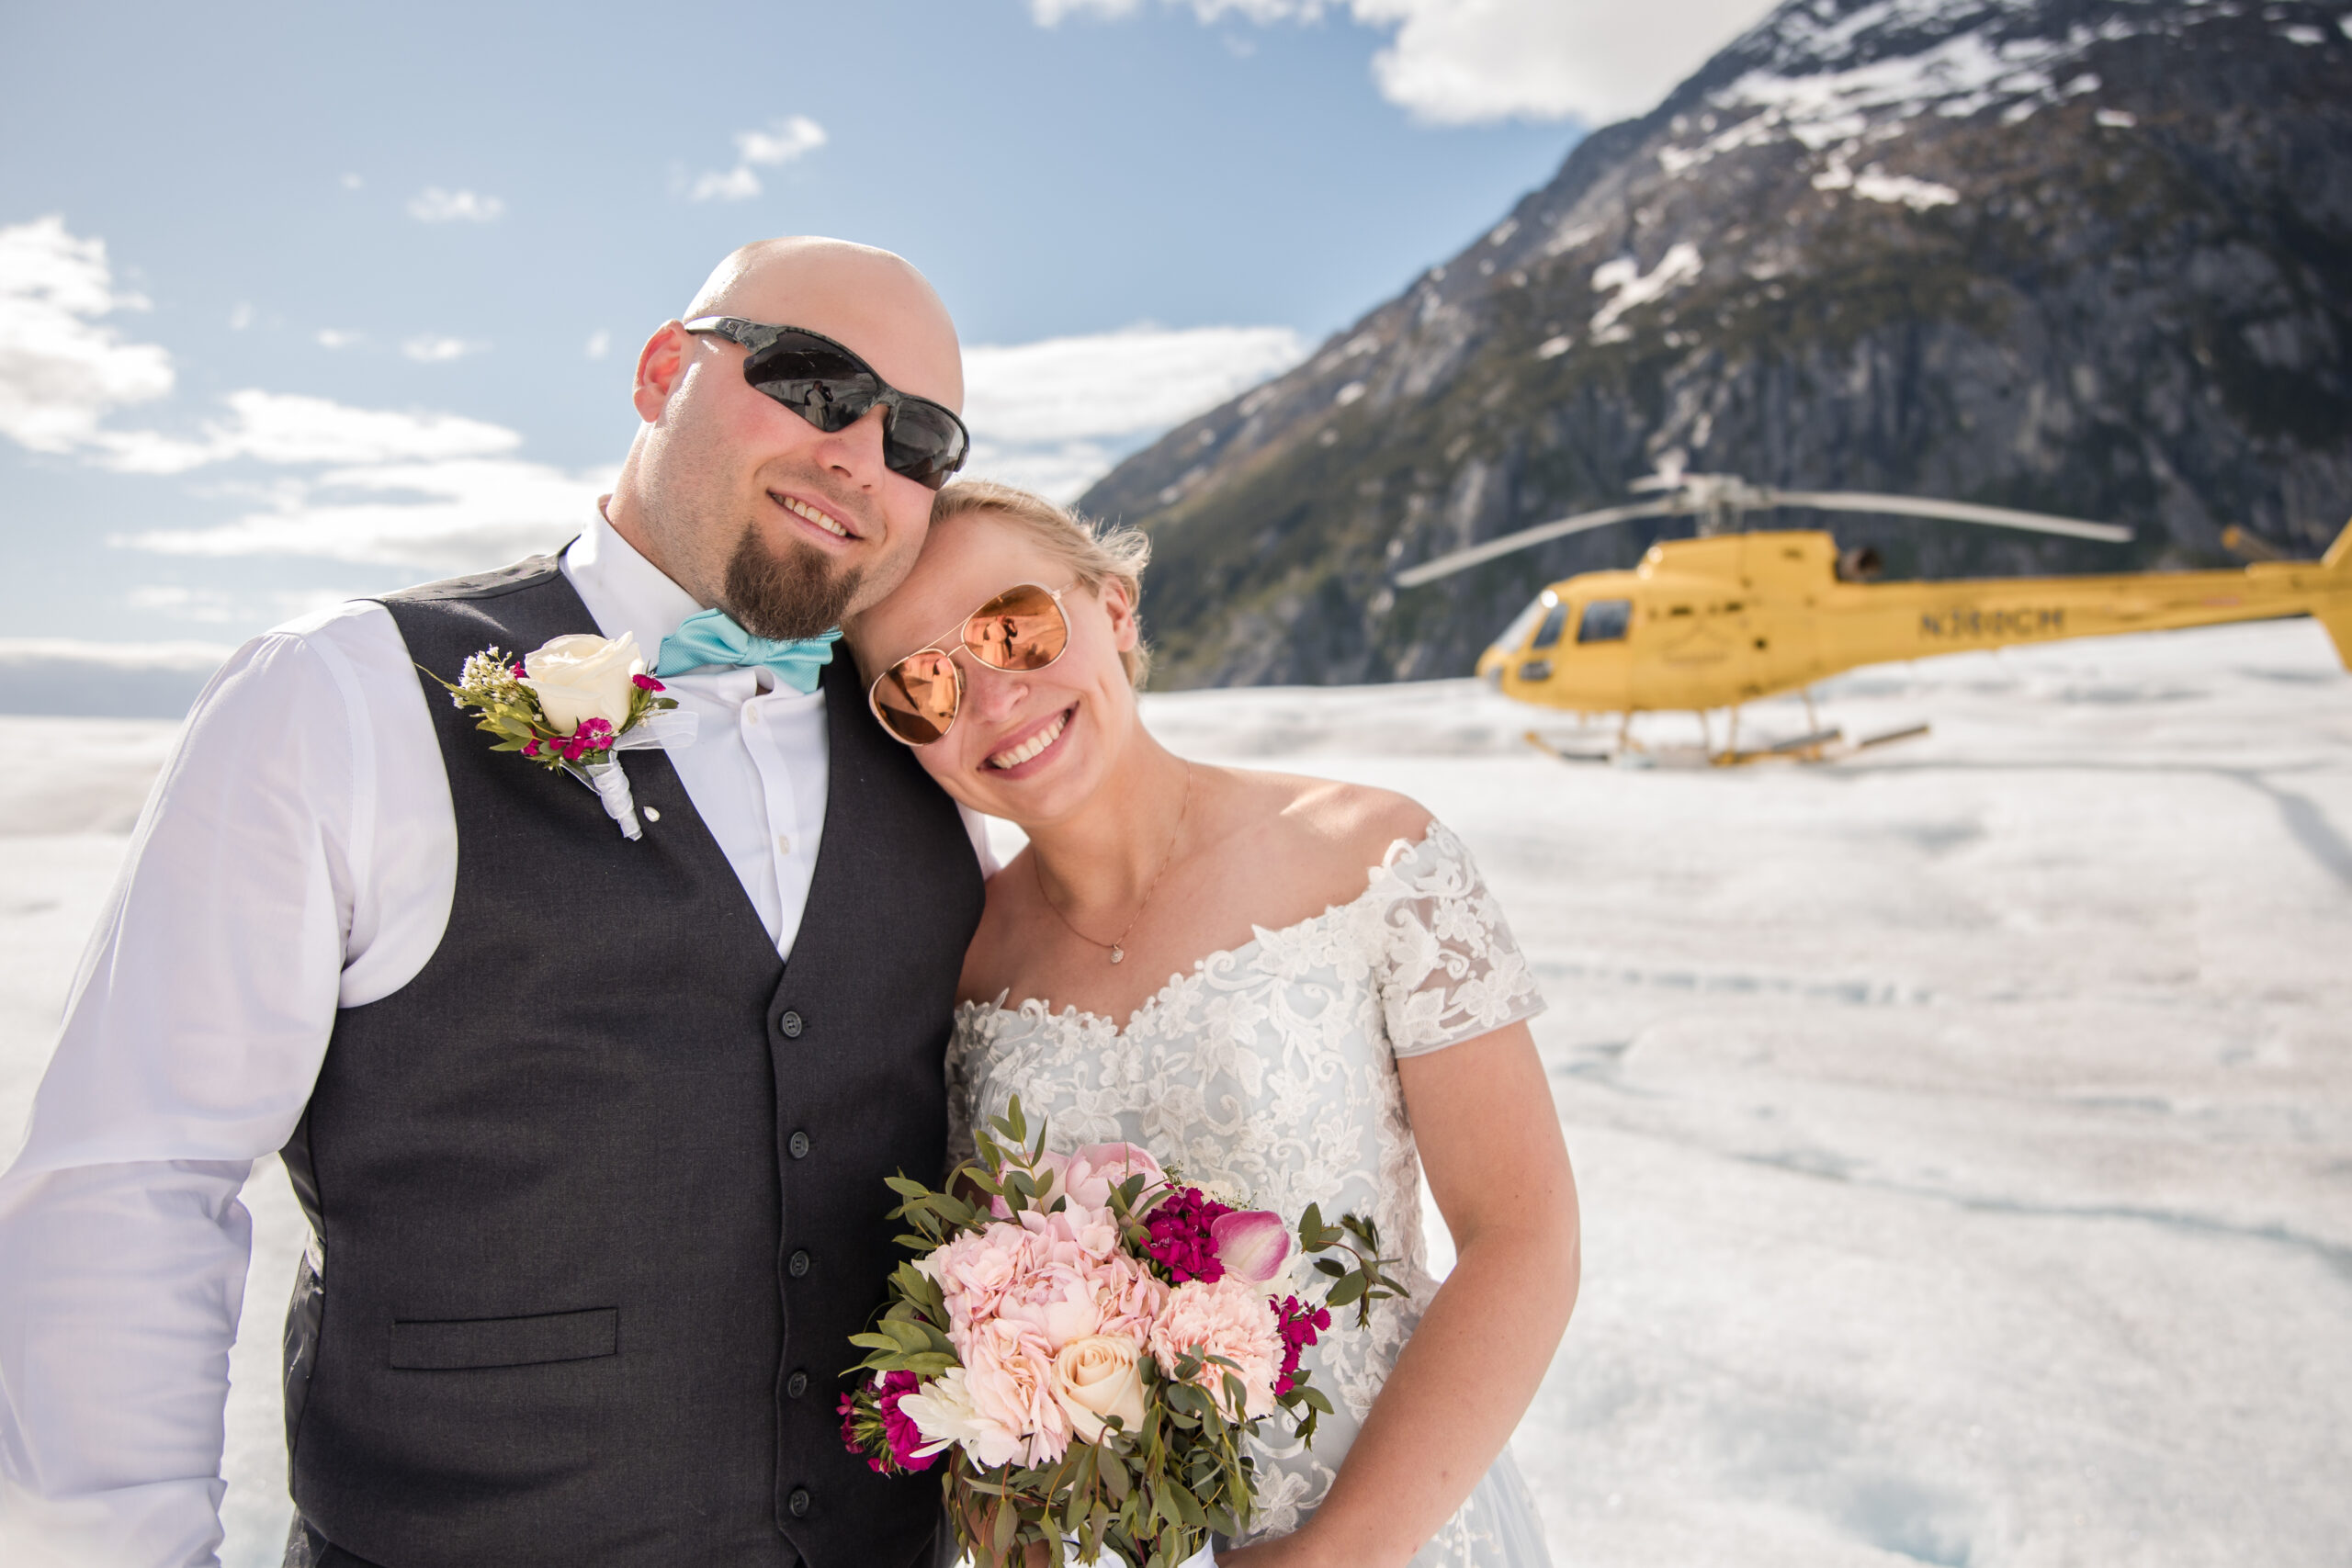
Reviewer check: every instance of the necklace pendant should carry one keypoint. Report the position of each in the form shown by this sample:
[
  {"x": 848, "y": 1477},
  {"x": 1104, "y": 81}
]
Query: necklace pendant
[{"x": 1118, "y": 953}]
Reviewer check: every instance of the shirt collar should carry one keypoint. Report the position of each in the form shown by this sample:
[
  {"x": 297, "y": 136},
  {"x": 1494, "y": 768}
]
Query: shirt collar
[{"x": 623, "y": 590}]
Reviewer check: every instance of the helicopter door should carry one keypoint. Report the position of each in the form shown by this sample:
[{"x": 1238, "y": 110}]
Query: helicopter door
[{"x": 1538, "y": 666}]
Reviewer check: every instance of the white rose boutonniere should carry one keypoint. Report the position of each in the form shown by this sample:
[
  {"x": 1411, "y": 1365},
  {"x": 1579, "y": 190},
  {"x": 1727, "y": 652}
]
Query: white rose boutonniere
[
  {"x": 580, "y": 678},
  {"x": 569, "y": 707}
]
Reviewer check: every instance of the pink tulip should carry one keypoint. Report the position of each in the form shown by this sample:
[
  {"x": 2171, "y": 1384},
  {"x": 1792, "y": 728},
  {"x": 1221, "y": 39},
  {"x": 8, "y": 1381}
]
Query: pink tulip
[{"x": 1251, "y": 1244}]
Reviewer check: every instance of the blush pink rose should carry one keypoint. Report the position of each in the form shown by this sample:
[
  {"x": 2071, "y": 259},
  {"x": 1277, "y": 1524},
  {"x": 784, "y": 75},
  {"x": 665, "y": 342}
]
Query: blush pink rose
[{"x": 1230, "y": 1318}]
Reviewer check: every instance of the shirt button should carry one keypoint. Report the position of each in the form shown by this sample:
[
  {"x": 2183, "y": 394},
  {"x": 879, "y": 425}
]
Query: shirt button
[
  {"x": 800, "y": 1145},
  {"x": 799, "y": 1502},
  {"x": 799, "y": 1264},
  {"x": 751, "y": 714},
  {"x": 790, "y": 1025},
  {"x": 795, "y": 1385},
  {"x": 784, "y": 843}
]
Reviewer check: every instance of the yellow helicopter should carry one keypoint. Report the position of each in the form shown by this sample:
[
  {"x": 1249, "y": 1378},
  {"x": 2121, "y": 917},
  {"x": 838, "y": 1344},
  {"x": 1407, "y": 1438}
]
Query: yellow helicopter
[{"x": 1727, "y": 617}]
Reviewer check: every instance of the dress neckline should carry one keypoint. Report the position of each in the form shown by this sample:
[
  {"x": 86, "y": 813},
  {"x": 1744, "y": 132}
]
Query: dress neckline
[{"x": 1041, "y": 1006}]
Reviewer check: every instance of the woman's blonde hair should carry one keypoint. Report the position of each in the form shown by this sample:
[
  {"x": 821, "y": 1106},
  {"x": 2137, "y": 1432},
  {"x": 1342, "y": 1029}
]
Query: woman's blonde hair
[{"x": 1095, "y": 552}]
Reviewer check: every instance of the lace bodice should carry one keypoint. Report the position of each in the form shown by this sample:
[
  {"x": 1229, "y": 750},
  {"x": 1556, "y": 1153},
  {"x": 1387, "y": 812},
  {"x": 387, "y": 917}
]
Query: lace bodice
[{"x": 1268, "y": 1075}]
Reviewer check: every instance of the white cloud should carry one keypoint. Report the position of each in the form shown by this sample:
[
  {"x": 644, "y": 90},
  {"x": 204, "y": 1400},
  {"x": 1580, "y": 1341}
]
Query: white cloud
[
  {"x": 411, "y": 487},
  {"x": 336, "y": 337},
  {"x": 61, "y": 369},
  {"x": 183, "y": 602},
  {"x": 456, "y": 515},
  {"x": 1055, "y": 414},
  {"x": 783, "y": 141},
  {"x": 202, "y": 657},
  {"x": 288, "y": 429},
  {"x": 431, "y": 350},
  {"x": 600, "y": 343},
  {"x": 738, "y": 184},
  {"x": 241, "y": 317},
  {"x": 352, "y": 182},
  {"x": 1459, "y": 62},
  {"x": 434, "y": 205}
]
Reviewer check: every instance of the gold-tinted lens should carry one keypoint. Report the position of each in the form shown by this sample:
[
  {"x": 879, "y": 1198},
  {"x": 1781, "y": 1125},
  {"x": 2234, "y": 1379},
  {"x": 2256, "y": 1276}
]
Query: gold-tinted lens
[
  {"x": 917, "y": 697},
  {"x": 1021, "y": 628}
]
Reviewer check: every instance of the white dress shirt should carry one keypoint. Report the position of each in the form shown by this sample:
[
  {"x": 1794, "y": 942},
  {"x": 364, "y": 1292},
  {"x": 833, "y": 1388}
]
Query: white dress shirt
[{"x": 299, "y": 854}]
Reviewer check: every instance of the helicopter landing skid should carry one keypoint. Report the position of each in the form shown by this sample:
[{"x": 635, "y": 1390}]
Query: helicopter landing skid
[{"x": 1820, "y": 746}]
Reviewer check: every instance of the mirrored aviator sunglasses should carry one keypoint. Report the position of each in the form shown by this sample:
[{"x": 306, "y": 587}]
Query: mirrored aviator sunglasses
[
  {"x": 1020, "y": 631},
  {"x": 832, "y": 388}
]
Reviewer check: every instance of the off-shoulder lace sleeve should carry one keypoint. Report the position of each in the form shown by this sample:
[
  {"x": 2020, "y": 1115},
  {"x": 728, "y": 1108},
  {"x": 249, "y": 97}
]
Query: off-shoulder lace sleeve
[{"x": 1447, "y": 967}]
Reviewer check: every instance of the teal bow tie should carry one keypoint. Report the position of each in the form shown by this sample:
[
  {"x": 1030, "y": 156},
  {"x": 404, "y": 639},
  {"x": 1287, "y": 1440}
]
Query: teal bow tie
[{"x": 713, "y": 638}]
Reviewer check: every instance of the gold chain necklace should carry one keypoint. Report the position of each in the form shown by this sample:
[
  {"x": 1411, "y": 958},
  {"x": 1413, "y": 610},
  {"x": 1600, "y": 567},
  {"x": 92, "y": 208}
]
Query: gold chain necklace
[{"x": 1118, "y": 952}]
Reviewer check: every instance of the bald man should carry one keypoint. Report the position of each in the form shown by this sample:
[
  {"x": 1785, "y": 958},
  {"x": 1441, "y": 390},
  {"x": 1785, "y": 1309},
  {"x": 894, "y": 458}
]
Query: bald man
[{"x": 591, "y": 1132}]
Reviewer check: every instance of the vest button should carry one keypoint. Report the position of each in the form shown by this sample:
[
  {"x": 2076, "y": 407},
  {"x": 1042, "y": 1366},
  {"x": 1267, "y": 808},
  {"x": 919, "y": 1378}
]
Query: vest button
[
  {"x": 795, "y": 1385},
  {"x": 790, "y": 1025},
  {"x": 799, "y": 1502},
  {"x": 799, "y": 1263},
  {"x": 800, "y": 1145}
]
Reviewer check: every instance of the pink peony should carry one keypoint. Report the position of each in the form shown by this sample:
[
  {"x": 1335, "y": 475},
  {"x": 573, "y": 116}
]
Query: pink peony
[
  {"x": 1226, "y": 1318},
  {"x": 1092, "y": 1171},
  {"x": 1017, "y": 1293},
  {"x": 1009, "y": 1375}
]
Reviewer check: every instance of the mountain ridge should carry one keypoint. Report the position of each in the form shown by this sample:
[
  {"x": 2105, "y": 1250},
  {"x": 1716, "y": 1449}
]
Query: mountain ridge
[{"x": 2089, "y": 256}]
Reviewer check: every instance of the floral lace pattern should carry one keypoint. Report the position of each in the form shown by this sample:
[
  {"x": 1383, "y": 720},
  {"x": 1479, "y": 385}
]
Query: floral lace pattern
[{"x": 1268, "y": 1075}]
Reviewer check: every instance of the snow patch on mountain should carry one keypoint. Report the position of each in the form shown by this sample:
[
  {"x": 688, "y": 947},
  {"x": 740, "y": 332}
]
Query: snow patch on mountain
[{"x": 1629, "y": 286}]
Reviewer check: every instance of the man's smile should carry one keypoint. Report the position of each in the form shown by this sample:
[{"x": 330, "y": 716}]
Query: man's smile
[{"x": 815, "y": 515}]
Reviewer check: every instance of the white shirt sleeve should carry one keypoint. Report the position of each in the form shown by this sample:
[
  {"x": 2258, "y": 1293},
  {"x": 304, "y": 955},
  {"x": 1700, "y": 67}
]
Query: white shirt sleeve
[{"x": 194, "y": 1033}]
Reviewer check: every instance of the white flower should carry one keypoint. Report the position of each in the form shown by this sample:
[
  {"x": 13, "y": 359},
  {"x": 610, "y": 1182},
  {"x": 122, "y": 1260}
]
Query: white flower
[
  {"x": 579, "y": 678},
  {"x": 942, "y": 1411}
]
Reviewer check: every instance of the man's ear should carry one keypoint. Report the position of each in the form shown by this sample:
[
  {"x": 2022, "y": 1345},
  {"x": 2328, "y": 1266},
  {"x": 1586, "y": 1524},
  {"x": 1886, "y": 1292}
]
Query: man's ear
[{"x": 661, "y": 366}]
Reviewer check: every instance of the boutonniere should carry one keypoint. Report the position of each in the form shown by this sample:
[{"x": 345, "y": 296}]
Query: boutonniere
[{"x": 569, "y": 707}]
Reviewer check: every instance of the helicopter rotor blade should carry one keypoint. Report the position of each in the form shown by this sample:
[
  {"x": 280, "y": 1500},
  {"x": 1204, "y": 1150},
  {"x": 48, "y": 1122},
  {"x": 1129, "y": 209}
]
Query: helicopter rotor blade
[
  {"x": 1542, "y": 532},
  {"x": 1952, "y": 511}
]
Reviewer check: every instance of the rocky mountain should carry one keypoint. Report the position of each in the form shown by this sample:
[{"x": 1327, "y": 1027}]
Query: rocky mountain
[{"x": 2084, "y": 256}]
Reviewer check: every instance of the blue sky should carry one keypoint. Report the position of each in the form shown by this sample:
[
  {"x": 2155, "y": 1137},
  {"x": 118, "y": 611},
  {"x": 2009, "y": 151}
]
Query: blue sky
[{"x": 299, "y": 301}]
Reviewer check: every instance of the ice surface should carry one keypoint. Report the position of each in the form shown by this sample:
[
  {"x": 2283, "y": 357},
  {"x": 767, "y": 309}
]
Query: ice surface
[{"x": 1965, "y": 1130}]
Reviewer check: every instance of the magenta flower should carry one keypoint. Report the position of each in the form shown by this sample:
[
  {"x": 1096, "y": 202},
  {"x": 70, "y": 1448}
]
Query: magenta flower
[
  {"x": 899, "y": 1427},
  {"x": 530, "y": 748},
  {"x": 1181, "y": 1239},
  {"x": 648, "y": 683},
  {"x": 1250, "y": 1243},
  {"x": 1300, "y": 1327}
]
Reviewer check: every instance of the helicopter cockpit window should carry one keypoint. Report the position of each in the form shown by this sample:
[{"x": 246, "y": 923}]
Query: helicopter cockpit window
[
  {"x": 1605, "y": 620},
  {"x": 1554, "y": 620}
]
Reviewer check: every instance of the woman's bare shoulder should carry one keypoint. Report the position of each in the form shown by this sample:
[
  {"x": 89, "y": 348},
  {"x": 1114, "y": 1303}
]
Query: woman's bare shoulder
[{"x": 1331, "y": 830}]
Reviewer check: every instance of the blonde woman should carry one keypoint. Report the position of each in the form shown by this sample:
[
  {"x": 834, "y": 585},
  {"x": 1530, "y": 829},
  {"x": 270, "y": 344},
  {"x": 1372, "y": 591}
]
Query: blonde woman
[{"x": 1299, "y": 990}]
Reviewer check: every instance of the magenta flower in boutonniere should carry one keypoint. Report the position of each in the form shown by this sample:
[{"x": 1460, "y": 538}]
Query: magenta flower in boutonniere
[{"x": 569, "y": 707}]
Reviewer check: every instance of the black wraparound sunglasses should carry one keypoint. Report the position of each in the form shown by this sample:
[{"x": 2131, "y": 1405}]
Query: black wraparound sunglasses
[{"x": 832, "y": 388}]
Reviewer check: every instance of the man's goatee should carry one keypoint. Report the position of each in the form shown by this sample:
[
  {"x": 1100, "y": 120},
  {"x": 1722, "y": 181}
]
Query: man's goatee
[{"x": 786, "y": 594}]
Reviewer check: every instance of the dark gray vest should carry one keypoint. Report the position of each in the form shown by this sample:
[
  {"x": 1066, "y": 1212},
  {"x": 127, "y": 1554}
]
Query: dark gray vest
[{"x": 600, "y": 1191}]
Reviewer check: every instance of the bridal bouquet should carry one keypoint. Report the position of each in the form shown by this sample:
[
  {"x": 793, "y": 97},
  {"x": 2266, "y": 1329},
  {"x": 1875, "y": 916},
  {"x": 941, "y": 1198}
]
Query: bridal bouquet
[{"x": 1088, "y": 1341}]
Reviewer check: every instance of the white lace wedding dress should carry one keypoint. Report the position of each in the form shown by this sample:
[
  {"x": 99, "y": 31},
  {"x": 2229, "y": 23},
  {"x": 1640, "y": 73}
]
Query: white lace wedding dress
[{"x": 1266, "y": 1074}]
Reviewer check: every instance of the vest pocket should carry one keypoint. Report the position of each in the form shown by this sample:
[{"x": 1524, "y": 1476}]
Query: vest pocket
[{"x": 460, "y": 1344}]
